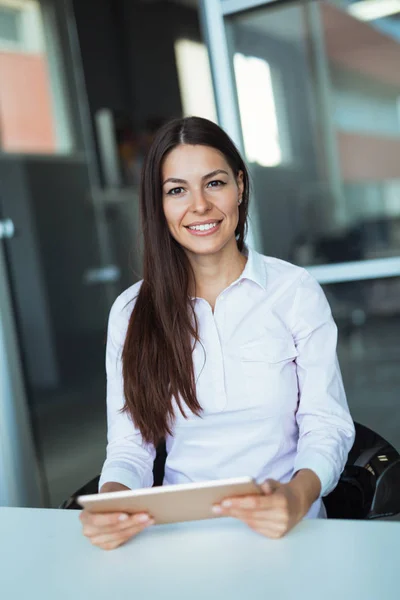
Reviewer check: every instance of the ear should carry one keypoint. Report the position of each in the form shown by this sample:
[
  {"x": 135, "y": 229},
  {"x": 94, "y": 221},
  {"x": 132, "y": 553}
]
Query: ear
[{"x": 239, "y": 181}]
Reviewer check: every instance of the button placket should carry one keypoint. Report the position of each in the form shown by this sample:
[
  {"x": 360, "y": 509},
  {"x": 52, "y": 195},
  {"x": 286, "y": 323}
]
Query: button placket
[{"x": 219, "y": 321}]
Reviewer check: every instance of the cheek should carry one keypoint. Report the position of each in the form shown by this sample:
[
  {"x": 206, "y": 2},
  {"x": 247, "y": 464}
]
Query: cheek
[
  {"x": 173, "y": 214},
  {"x": 232, "y": 206}
]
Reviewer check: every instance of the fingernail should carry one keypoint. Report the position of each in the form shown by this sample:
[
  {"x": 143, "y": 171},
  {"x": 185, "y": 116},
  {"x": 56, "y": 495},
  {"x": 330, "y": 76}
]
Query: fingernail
[
  {"x": 216, "y": 509},
  {"x": 226, "y": 503},
  {"x": 123, "y": 517},
  {"x": 142, "y": 518}
]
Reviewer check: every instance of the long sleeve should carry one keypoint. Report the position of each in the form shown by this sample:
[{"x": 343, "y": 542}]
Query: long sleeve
[
  {"x": 326, "y": 429},
  {"x": 129, "y": 460}
]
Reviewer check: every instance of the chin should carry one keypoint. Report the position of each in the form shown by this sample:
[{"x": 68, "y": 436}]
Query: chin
[{"x": 204, "y": 249}]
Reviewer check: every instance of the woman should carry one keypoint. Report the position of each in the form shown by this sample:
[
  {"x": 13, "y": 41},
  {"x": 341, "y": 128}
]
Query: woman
[{"x": 228, "y": 355}]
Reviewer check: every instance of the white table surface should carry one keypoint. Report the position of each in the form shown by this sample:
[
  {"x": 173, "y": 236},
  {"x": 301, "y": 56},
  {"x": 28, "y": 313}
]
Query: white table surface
[{"x": 44, "y": 555}]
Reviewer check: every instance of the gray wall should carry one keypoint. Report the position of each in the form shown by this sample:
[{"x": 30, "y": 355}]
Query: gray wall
[{"x": 150, "y": 30}]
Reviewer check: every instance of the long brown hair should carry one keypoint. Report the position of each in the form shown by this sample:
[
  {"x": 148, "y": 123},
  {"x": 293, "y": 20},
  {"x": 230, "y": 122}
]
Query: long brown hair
[{"x": 157, "y": 360}]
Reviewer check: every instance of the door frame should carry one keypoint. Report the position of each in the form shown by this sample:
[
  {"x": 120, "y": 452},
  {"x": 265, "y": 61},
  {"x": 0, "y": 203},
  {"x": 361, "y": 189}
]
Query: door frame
[{"x": 20, "y": 482}]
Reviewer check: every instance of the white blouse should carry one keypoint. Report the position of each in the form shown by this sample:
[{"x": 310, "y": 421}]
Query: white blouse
[{"x": 268, "y": 381}]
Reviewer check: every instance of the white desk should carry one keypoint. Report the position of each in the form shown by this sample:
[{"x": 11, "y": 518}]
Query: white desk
[{"x": 43, "y": 555}]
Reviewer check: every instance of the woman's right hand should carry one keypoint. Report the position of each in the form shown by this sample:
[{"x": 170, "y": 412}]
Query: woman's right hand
[{"x": 110, "y": 530}]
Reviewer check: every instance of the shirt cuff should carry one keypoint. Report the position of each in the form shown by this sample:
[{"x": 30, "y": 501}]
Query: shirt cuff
[
  {"x": 321, "y": 466},
  {"x": 121, "y": 475}
]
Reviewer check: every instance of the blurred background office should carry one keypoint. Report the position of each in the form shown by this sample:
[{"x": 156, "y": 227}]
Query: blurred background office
[{"x": 309, "y": 90}]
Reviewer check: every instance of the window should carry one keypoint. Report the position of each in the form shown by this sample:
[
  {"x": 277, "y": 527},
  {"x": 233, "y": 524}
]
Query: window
[
  {"x": 9, "y": 26},
  {"x": 195, "y": 81},
  {"x": 261, "y": 135},
  {"x": 34, "y": 116}
]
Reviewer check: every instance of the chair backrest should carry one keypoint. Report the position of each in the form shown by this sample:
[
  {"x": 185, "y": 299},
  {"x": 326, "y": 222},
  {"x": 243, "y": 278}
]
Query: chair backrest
[
  {"x": 386, "y": 502},
  {"x": 367, "y": 488},
  {"x": 159, "y": 464}
]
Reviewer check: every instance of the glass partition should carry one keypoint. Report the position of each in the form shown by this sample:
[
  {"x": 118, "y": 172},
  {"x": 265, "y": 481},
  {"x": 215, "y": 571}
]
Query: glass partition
[
  {"x": 313, "y": 88},
  {"x": 318, "y": 94}
]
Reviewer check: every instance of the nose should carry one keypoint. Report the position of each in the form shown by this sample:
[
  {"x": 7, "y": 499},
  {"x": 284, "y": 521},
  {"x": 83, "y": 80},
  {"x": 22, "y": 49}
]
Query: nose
[{"x": 200, "y": 204}]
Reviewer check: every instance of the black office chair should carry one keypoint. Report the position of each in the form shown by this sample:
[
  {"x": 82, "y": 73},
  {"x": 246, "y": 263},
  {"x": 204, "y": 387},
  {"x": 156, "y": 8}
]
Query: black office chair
[
  {"x": 369, "y": 487},
  {"x": 92, "y": 486}
]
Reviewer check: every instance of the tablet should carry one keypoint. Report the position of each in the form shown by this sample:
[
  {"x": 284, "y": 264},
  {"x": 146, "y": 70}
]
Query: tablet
[{"x": 172, "y": 503}]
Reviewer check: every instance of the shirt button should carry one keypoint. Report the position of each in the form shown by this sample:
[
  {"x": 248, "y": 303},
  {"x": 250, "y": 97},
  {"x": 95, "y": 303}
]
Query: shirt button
[{"x": 222, "y": 297}]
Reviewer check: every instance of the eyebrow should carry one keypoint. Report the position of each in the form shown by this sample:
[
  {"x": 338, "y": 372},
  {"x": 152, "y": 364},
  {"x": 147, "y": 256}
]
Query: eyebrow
[{"x": 212, "y": 174}]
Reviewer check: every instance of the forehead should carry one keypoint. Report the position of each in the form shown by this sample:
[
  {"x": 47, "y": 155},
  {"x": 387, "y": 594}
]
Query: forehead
[{"x": 185, "y": 161}]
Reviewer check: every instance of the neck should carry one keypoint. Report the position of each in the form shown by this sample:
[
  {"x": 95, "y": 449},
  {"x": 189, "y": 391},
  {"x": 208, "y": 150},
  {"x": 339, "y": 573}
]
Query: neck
[{"x": 215, "y": 272}]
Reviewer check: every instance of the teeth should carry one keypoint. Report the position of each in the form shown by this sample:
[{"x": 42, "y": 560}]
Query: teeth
[{"x": 203, "y": 227}]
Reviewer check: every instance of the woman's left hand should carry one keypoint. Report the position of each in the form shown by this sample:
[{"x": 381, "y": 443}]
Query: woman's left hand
[{"x": 278, "y": 509}]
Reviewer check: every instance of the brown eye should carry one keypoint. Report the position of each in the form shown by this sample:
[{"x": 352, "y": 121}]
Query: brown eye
[
  {"x": 215, "y": 183},
  {"x": 175, "y": 191}
]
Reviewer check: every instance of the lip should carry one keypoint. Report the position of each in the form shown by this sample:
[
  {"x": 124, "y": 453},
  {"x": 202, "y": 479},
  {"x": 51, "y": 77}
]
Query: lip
[{"x": 203, "y": 233}]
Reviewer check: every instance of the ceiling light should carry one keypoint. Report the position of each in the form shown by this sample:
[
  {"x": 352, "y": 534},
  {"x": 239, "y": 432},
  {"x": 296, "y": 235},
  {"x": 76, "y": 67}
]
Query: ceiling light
[{"x": 368, "y": 10}]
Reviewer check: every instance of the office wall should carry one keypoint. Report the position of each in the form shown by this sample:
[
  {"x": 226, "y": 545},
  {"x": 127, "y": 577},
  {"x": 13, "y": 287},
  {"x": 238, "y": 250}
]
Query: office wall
[
  {"x": 128, "y": 56},
  {"x": 150, "y": 30},
  {"x": 105, "y": 65},
  {"x": 26, "y": 119}
]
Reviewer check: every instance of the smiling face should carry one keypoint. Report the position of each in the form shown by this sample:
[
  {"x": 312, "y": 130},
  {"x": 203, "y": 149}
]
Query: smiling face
[{"x": 201, "y": 198}]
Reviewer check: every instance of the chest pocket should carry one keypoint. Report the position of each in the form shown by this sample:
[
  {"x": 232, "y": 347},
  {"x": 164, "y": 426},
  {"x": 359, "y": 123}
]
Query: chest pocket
[{"x": 269, "y": 374}]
